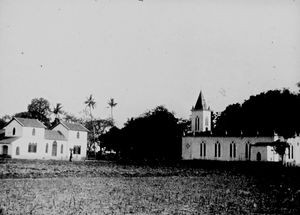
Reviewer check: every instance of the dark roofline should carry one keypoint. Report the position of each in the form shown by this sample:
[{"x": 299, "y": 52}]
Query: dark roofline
[
  {"x": 16, "y": 118},
  {"x": 62, "y": 123}
]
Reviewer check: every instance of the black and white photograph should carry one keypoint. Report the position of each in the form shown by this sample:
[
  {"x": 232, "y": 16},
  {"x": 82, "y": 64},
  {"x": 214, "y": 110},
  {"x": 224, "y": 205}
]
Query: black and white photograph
[{"x": 149, "y": 107}]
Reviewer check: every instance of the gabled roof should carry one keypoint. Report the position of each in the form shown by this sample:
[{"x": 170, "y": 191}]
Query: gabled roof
[
  {"x": 74, "y": 126},
  {"x": 200, "y": 104},
  {"x": 8, "y": 140},
  {"x": 28, "y": 122},
  {"x": 54, "y": 135}
]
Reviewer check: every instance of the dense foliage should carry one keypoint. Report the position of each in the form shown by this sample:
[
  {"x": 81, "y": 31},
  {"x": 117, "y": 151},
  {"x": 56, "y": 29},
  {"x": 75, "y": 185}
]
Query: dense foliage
[
  {"x": 155, "y": 135},
  {"x": 263, "y": 114}
]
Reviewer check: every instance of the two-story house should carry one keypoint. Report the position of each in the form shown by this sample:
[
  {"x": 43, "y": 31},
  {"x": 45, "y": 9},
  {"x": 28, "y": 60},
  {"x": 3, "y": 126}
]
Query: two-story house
[{"x": 30, "y": 139}]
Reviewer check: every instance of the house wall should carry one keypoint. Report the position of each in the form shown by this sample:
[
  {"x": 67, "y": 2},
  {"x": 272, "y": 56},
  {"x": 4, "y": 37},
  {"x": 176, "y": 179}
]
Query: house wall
[
  {"x": 191, "y": 147},
  {"x": 62, "y": 129},
  {"x": 23, "y": 144},
  {"x": 9, "y": 129},
  {"x": 81, "y": 141},
  {"x": 8, "y": 148}
]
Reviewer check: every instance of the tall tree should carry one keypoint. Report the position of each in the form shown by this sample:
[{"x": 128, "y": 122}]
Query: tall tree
[
  {"x": 57, "y": 111},
  {"x": 91, "y": 104},
  {"x": 155, "y": 135},
  {"x": 39, "y": 108},
  {"x": 112, "y": 104}
]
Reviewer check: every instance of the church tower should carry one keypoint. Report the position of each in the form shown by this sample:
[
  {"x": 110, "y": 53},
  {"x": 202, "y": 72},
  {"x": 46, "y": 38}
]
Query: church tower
[{"x": 201, "y": 116}]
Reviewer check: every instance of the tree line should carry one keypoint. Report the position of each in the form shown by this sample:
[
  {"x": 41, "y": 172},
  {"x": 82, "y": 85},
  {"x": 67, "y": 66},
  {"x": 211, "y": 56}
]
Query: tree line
[{"x": 157, "y": 134}]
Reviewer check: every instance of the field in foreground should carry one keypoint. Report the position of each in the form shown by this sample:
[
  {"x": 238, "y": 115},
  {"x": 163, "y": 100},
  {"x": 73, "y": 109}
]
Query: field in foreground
[{"x": 52, "y": 187}]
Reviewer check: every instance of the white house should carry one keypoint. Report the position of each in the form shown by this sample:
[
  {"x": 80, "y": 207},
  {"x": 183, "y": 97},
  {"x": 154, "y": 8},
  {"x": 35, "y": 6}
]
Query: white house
[
  {"x": 201, "y": 143},
  {"x": 30, "y": 139}
]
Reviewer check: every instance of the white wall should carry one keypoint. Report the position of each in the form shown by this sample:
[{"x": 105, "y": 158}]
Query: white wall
[
  {"x": 193, "y": 151},
  {"x": 202, "y": 114},
  {"x": 295, "y": 142},
  {"x": 81, "y": 141},
  {"x": 9, "y": 129},
  {"x": 62, "y": 129}
]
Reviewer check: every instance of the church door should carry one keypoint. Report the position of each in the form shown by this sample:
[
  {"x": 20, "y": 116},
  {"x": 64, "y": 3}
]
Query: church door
[{"x": 258, "y": 156}]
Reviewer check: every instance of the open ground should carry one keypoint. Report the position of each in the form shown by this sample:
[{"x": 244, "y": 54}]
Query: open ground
[{"x": 59, "y": 187}]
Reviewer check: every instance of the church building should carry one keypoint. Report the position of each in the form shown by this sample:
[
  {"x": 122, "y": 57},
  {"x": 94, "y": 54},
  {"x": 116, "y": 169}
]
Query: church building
[{"x": 202, "y": 144}]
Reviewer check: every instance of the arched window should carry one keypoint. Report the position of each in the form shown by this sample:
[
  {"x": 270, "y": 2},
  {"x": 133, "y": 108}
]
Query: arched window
[
  {"x": 17, "y": 150},
  {"x": 234, "y": 150},
  {"x": 217, "y": 149},
  {"x": 247, "y": 150},
  {"x": 47, "y": 146},
  {"x": 77, "y": 134},
  {"x": 54, "y": 148},
  {"x": 62, "y": 148},
  {"x": 197, "y": 123},
  {"x": 33, "y": 132},
  {"x": 14, "y": 131},
  {"x": 202, "y": 149}
]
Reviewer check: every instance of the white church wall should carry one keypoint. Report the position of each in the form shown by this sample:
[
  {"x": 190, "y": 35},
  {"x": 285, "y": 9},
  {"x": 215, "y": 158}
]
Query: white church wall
[
  {"x": 294, "y": 157},
  {"x": 191, "y": 147}
]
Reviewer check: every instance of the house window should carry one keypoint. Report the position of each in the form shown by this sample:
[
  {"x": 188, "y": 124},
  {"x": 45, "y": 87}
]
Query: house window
[
  {"x": 5, "y": 150},
  {"x": 77, "y": 150},
  {"x": 33, "y": 132},
  {"x": 62, "y": 148},
  {"x": 14, "y": 131},
  {"x": 47, "y": 145},
  {"x": 18, "y": 151},
  {"x": 54, "y": 148},
  {"x": 32, "y": 147},
  {"x": 292, "y": 152},
  {"x": 77, "y": 134}
]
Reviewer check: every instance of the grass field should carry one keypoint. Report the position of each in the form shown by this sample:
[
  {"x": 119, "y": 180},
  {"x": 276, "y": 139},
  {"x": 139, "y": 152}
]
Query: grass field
[{"x": 57, "y": 187}]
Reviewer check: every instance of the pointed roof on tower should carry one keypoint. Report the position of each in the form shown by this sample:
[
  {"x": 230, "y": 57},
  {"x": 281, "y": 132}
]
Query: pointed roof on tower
[{"x": 200, "y": 104}]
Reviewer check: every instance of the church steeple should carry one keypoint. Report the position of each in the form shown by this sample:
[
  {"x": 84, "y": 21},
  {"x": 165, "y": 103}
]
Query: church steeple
[
  {"x": 200, "y": 104},
  {"x": 201, "y": 116}
]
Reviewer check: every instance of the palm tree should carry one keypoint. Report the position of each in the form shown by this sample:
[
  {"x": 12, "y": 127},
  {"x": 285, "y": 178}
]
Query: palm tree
[
  {"x": 57, "y": 110},
  {"x": 90, "y": 103},
  {"x": 112, "y": 104}
]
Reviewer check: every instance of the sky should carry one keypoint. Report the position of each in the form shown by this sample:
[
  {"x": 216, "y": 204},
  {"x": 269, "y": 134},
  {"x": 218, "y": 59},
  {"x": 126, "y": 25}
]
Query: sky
[{"x": 145, "y": 53}]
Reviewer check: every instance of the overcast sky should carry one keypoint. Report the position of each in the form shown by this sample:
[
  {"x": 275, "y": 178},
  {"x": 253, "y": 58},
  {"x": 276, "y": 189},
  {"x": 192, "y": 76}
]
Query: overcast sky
[{"x": 145, "y": 53}]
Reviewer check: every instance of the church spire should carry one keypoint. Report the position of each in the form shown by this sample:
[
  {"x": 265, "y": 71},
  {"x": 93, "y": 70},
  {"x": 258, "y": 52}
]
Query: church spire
[{"x": 200, "y": 104}]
